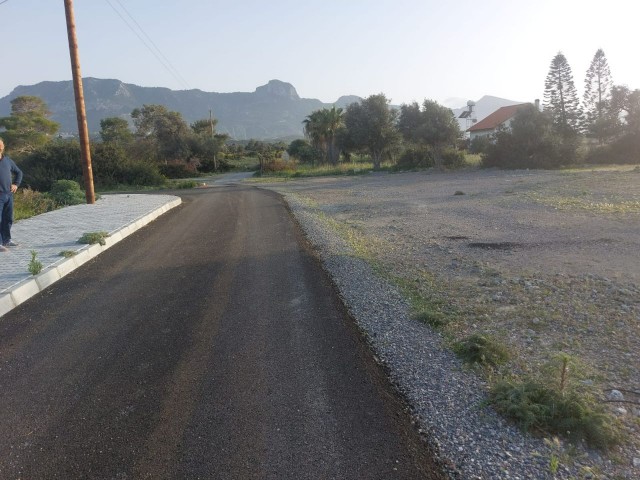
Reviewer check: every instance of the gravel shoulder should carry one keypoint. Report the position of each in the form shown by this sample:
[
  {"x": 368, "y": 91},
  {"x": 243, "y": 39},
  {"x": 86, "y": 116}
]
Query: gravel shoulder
[{"x": 546, "y": 261}]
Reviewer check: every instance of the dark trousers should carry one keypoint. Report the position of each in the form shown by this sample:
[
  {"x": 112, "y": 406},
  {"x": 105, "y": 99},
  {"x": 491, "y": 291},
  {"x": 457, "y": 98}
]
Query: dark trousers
[{"x": 6, "y": 216}]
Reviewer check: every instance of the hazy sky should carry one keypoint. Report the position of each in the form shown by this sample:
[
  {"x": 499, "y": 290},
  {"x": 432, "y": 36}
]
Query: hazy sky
[{"x": 408, "y": 49}]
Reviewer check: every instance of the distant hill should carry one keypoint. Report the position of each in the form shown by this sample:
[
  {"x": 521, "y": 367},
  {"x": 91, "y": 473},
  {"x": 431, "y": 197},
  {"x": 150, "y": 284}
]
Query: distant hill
[
  {"x": 273, "y": 111},
  {"x": 483, "y": 108}
]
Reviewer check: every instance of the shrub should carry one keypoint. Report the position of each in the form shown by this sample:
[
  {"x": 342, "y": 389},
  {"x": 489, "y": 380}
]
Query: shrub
[
  {"x": 28, "y": 203},
  {"x": 142, "y": 173},
  {"x": 35, "y": 266},
  {"x": 59, "y": 159},
  {"x": 413, "y": 158},
  {"x": 481, "y": 350},
  {"x": 480, "y": 144},
  {"x": 67, "y": 192},
  {"x": 625, "y": 150},
  {"x": 537, "y": 407},
  {"x": 453, "y": 158},
  {"x": 531, "y": 142},
  {"x": 93, "y": 237},
  {"x": 431, "y": 317},
  {"x": 175, "y": 170}
]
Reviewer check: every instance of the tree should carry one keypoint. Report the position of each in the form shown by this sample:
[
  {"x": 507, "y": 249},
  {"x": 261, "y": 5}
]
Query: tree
[
  {"x": 206, "y": 144},
  {"x": 561, "y": 97},
  {"x": 532, "y": 141},
  {"x": 321, "y": 127},
  {"x": 28, "y": 127},
  {"x": 598, "y": 121},
  {"x": 164, "y": 133},
  {"x": 304, "y": 151},
  {"x": 115, "y": 130},
  {"x": 371, "y": 126},
  {"x": 434, "y": 126}
]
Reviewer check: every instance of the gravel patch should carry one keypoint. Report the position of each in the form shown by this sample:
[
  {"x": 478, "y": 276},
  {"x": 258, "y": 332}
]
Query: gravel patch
[{"x": 473, "y": 247}]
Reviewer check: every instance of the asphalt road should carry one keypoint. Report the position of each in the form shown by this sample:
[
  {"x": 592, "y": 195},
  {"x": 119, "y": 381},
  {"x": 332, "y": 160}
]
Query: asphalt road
[{"x": 210, "y": 345}]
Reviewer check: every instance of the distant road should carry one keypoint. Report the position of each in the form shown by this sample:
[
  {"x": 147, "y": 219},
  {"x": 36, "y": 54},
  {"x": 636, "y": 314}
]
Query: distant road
[{"x": 207, "y": 345}]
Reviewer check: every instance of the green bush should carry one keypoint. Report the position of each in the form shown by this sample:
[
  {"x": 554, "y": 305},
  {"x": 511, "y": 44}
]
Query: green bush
[
  {"x": 175, "y": 170},
  {"x": 93, "y": 237},
  {"x": 545, "y": 409},
  {"x": 413, "y": 158},
  {"x": 531, "y": 142},
  {"x": 28, "y": 203},
  {"x": 67, "y": 192},
  {"x": 59, "y": 159},
  {"x": 481, "y": 350},
  {"x": 625, "y": 150},
  {"x": 453, "y": 158},
  {"x": 431, "y": 317}
]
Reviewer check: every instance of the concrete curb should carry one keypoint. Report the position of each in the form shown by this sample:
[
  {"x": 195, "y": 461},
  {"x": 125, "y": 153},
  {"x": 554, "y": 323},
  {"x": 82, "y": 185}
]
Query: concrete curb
[{"x": 29, "y": 287}]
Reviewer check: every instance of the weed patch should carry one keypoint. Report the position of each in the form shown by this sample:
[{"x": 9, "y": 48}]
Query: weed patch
[
  {"x": 93, "y": 237},
  {"x": 481, "y": 350},
  {"x": 35, "y": 266}
]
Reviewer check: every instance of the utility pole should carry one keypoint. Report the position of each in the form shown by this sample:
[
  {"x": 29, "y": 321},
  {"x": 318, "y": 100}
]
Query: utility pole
[
  {"x": 83, "y": 131},
  {"x": 215, "y": 160}
]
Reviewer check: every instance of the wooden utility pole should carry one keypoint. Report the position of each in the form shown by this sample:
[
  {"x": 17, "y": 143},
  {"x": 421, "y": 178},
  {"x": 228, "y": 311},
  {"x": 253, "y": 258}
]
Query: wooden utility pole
[
  {"x": 83, "y": 131},
  {"x": 215, "y": 160}
]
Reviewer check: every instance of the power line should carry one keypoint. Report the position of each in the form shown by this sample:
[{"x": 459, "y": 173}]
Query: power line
[
  {"x": 176, "y": 71},
  {"x": 156, "y": 53},
  {"x": 4, "y": 1}
]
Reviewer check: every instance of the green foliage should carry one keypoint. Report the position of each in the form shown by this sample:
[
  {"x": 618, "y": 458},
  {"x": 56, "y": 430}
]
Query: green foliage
[
  {"x": 599, "y": 122},
  {"x": 480, "y": 144},
  {"x": 481, "y": 350},
  {"x": 561, "y": 97},
  {"x": 35, "y": 266},
  {"x": 415, "y": 158},
  {"x": 431, "y": 125},
  {"x": 535, "y": 406},
  {"x": 304, "y": 151},
  {"x": 115, "y": 130},
  {"x": 453, "y": 158},
  {"x": 67, "y": 192},
  {"x": 321, "y": 127},
  {"x": 60, "y": 159},
  {"x": 624, "y": 150},
  {"x": 431, "y": 316},
  {"x": 164, "y": 133},
  {"x": 28, "y": 127},
  {"x": 175, "y": 170},
  {"x": 68, "y": 253},
  {"x": 531, "y": 142},
  {"x": 93, "y": 237},
  {"x": 371, "y": 126},
  {"x": 29, "y": 203}
]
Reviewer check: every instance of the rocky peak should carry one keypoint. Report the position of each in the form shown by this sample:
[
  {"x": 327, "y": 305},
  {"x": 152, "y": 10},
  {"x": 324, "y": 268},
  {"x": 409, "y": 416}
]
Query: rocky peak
[{"x": 277, "y": 88}]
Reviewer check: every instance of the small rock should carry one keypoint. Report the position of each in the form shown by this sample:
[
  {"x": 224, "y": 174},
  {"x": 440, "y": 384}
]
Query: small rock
[
  {"x": 636, "y": 462},
  {"x": 535, "y": 321},
  {"x": 620, "y": 410},
  {"x": 615, "y": 395}
]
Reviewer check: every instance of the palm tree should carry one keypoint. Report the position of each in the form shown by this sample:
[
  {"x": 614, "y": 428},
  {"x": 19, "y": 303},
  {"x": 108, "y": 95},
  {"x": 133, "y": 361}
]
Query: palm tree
[{"x": 321, "y": 127}]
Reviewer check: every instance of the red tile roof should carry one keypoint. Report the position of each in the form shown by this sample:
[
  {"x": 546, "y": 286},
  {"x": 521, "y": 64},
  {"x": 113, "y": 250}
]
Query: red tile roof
[{"x": 497, "y": 118}]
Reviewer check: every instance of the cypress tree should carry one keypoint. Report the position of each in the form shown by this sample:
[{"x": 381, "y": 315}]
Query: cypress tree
[{"x": 561, "y": 98}]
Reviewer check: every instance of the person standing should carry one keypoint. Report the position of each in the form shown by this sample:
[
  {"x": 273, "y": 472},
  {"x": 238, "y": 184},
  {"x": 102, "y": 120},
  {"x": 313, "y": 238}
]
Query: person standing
[{"x": 8, "y": 186}]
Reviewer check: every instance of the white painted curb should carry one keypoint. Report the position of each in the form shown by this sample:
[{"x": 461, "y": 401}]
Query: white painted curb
[{"x": 28, "y": 288}]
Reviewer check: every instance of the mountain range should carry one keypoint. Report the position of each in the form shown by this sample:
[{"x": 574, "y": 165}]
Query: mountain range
[{"x": 272, "y": 111}]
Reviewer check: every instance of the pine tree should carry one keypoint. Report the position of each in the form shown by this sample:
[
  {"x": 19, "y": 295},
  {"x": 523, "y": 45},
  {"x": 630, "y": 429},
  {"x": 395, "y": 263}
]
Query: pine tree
[
  {"x": 561, "y": 97},
  {"x": 598, "y": 121}
]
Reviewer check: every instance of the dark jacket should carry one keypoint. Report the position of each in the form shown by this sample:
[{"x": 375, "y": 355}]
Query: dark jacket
[{"x": 7, "y": 169}]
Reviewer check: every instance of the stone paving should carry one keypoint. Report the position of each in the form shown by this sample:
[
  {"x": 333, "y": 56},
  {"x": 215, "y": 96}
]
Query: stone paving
[{"x": 51, "y": 233}]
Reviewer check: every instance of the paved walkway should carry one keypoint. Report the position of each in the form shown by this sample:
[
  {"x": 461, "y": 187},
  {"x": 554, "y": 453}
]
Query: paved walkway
[{"x": 51, "y": 233}]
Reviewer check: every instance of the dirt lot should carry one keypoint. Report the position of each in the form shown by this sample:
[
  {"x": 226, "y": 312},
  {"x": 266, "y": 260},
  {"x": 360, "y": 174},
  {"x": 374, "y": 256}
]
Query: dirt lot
[{"x": 548, "y": 262}]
